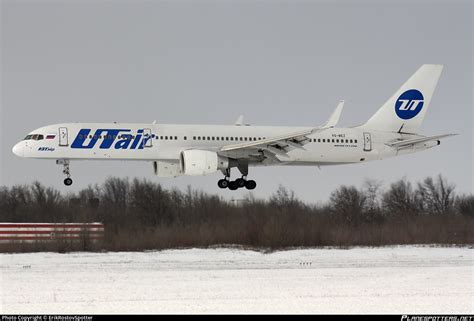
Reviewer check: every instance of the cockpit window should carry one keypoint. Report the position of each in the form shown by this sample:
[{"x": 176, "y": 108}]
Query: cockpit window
[{"x": 34, "y": 137}]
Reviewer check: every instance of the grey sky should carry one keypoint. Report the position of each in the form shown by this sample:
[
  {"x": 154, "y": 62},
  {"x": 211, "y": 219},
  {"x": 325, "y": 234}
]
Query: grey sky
[{"x": 278, "y": 63}]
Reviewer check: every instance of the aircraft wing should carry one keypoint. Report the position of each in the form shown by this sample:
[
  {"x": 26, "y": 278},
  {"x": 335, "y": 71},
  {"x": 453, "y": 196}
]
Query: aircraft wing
[
  {"x": 273, "y": 147},
  {"x": 409, "y": 142}
]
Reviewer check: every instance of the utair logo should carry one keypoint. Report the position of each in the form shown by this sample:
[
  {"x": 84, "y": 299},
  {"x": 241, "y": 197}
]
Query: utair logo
[
  {"x": 116, "y": 138},
  {"x": 409, "y": 104}
]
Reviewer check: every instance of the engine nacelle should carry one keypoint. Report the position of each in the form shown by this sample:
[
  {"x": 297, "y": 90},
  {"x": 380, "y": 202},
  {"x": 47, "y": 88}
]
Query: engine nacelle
[{"x": 196, "y": 162}]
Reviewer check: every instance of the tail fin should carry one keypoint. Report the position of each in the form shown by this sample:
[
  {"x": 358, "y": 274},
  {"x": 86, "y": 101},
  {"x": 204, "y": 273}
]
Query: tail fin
[{"x": 406, "y": 109}]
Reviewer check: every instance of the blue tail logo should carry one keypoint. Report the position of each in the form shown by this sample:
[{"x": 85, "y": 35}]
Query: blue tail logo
[{"x": 409, "y": 104}]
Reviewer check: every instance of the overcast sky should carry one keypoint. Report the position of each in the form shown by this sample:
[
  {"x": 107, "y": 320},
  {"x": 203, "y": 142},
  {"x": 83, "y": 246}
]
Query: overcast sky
[{"x": 207, "y": 62}]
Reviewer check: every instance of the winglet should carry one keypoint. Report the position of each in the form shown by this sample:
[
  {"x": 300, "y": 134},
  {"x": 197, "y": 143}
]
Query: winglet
[
  {"x": 334, "y": 119},
  {"x": 239, "y": 121}
]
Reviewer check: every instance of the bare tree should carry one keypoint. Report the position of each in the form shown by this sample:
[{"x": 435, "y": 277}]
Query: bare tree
[
  {"x": 115, "y": 192},
  {"x": 150, "y": 201},
  {"x": 400, "y": 199},
  {"x": 465, "y": 205},
  {"x": 348, "y": 203},
  {"x": 371, "y": 190},
  {"x": 46, "y": 200},
  {"x": 284, "y": 198},
  {"x": 437, "y": 196}
]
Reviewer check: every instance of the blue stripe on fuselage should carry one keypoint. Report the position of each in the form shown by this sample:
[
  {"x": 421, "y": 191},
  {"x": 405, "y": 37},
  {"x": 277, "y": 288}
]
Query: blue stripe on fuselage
[{"x": 110, "y": 137}]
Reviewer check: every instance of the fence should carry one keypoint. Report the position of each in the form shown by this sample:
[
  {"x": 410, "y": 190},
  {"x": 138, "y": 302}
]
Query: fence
[{"x": 46, "y": 232}]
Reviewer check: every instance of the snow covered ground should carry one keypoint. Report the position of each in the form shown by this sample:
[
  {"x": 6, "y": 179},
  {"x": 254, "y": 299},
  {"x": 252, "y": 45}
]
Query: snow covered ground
[{"x": 361, "y": 280}]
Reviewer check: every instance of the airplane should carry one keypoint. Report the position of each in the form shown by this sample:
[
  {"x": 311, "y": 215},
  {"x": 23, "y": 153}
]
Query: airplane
[{"x": 176, "y": 150}]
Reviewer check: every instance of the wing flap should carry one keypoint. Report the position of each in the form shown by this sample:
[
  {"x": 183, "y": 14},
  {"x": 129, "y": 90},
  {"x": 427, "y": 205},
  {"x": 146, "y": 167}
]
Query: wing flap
[
  {"x": 273, "y": 147},
  {"x": 267, "y": 141}
]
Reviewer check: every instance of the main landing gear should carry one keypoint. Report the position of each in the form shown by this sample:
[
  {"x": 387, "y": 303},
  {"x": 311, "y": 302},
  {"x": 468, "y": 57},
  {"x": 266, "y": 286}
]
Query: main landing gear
[
  {"x": 238, "y": 183},
  {"x": 66, "y": 171}
]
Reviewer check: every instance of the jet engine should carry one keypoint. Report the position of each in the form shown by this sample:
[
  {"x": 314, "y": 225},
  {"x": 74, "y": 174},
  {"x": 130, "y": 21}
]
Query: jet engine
[{"x": 196, "y": 162}]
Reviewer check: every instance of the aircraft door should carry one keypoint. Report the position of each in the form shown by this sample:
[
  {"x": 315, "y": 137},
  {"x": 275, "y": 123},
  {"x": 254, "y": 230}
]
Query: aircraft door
[
  {"x": 367, "y": 142},
  {"x": 147, "y": 137},
  {"x": 63, "y": 139}
]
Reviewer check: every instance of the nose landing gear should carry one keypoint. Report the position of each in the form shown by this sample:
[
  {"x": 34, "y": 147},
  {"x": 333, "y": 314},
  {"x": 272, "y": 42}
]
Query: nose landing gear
[
  {"x": 66, "y": 171},
  {"x": 67, "y": 181}
]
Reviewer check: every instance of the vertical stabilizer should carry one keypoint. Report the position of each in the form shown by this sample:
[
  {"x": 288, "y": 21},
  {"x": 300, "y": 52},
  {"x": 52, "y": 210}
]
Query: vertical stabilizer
[{"x": 406, "y": 109}]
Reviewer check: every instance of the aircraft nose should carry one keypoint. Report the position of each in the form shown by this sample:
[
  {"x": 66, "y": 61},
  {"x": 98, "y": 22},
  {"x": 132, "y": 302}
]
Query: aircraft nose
[{"x": 18, "y": 149}]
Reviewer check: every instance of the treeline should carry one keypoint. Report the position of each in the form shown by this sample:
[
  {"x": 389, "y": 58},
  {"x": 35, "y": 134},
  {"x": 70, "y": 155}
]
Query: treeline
[{"x": 140, "y": 215}]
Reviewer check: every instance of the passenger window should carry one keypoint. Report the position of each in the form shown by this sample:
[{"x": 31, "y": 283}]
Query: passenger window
[
  {"x": 213, "y": 137},
  {"x": 355, "y": 141},
  {"x": 232, "y": 138},
  {"x": 319, "y": 140},
  {"x": 185, "y": 138},
  {"x": 217, "y": 138}
]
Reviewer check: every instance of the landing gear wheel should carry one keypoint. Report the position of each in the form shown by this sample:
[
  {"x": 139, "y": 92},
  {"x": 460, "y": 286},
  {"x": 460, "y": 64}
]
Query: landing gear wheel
[
  {"x": 233, "y": 185},
  {"x": 223, "y": 183},
  {"x": 251, "y": 184},
  {"x": 240, "y": 182},
  {"x": 66, "y": 171}
]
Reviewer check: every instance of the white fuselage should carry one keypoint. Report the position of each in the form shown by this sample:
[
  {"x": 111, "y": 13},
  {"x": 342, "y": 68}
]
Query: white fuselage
[{"x": 96, "y": 141}]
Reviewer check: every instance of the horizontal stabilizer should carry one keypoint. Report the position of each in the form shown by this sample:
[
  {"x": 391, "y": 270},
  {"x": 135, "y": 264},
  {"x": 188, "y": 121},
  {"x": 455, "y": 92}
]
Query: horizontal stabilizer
[{"x": 408, "y": 142}]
